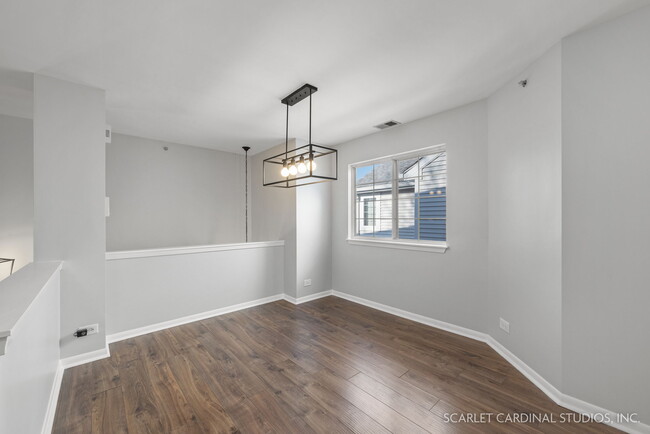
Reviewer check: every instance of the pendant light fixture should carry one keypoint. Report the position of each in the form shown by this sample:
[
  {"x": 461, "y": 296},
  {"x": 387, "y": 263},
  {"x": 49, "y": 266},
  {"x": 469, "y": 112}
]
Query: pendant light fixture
[{"x": 299, "y": 166}]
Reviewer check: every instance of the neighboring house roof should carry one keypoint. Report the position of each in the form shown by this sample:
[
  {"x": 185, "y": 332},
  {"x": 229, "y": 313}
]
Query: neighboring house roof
[{"x": 382, "y": 172}]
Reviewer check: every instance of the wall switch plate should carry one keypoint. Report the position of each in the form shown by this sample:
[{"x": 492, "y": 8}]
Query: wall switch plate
[
  {"x": 307, "y": 282},
  {"x": 504, "y": 325}
]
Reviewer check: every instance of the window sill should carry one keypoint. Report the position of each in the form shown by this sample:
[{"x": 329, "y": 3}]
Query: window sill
[{"x": 433, "y": 247}]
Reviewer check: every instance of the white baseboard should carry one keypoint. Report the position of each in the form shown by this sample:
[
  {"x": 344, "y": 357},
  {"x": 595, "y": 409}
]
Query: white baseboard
[
  {"x": 48, "y": 423},
  {"x": 88, "y": 357},
  {"x": 561, "y": 399},
  {"x": 120, "y": 336},
  {"x": 307, "y": 298},
  {"x": 415, "y": 317}
]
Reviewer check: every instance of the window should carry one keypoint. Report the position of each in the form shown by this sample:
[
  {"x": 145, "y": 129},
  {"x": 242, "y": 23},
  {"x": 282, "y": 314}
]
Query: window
[{"x": 401, "y": 201}]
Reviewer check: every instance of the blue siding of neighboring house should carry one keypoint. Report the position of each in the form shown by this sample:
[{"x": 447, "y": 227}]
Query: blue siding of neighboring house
[{"x": 427, "y": 208}]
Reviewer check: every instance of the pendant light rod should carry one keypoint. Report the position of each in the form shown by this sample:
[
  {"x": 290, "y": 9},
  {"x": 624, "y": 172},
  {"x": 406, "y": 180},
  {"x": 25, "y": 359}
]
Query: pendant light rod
[
  {"x": 246, "y": 149},
  {"x": 310, "y": 116},
  {"x": 286, "y": 140}
]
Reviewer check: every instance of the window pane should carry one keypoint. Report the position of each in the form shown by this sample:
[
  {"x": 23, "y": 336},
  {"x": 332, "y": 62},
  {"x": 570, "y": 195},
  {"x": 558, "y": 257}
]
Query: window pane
[
  {"x": 384, "y": 208},
  {"x": 364, "y": 190},
  {"x": 433, "y": 205},
  {"x": 406, "y": 206},
  {"x": 383, "y": 173},
  {"x": 383, "y": 228},
  {"x": 407, "y": 167},
  {"x": 365, "y": 230},
  {"x": 422, "y": 196},
  {"x": 419, "y": 204},
  {"x": 433, "y": 229},
  {"x": 407, "y": 229},
  {"x": 364, "y": 175},
  {"x": 407, "y": 185},
  {"x": 374, "y": 201}
]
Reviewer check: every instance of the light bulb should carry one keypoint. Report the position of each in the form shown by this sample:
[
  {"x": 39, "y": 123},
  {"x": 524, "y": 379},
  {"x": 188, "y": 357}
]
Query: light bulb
[
  {"x": 284, "y": 172},
  {"x": 311, "y": 164},
  {"x": 302, "y": 168},
  {"x": 292, "y": 168}
]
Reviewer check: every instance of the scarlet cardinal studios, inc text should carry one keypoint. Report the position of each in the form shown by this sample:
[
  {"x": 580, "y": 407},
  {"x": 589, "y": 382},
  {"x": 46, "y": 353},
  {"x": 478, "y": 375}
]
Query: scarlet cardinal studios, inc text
[{"x": 568, "y": 417}]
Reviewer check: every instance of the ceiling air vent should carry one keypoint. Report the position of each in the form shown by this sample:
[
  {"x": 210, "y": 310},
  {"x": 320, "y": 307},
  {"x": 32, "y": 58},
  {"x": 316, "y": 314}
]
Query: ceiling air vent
[{"x": 387, "y": 125}]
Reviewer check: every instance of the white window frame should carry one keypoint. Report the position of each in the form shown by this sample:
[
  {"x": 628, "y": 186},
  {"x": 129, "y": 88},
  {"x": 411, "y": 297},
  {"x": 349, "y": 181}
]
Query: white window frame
[{"x": 394, "y": 243}]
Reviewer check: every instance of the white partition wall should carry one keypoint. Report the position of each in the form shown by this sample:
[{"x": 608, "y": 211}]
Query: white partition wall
[
  {"x": 148, "y": 290},
  {"x": 29, "y": 368}
]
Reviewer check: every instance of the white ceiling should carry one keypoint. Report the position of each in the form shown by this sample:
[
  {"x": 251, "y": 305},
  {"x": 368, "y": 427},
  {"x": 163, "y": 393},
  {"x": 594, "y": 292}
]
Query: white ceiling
[{"x": 211, "y": 73}]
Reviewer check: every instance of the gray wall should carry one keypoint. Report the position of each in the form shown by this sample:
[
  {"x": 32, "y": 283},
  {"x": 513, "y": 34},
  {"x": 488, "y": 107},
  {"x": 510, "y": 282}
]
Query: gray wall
[
  {"x": 273, "y": 215},
  {"x": 450, "y": 287},
  {"x": 180, "y": 197},
  {"x": 69, "y": 223},
  {"x": 16, "y": 192},
  {"x": 525, "y": 215},
  {"x": 314, "y": 238},
  {"x": 606, "y": 214}
]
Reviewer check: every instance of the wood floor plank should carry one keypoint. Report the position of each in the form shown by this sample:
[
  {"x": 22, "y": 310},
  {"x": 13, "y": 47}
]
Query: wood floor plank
[
  {"x": 407, "y": 357},
  {"x": 125, "y": 351},
  {"x": 74, "y": 415},
  {"x": 241, "y": 361},
  {"x": 328, "y": 365},
  {"x": 144, "y": 413},
  {"x": 230, "y": 381},
  {"x": 234, "y": 386},
  {"x": 172, "y": 399},
  {"x": 212, "y": 417},
  {"x": 108, "y": 412},
  {"x": 380, "y": 334},
  {"x": 382, "y": 413},
  {"x": 465, "y": 396},
  {"x": 167, "y": 340},
  {"x": 418, "y": 415},
  {"x": 249, "y": 419},
  {"x": 304, "y": 354},
  {"x": 271, "y": 410},
  {"x": 355, "y": 419},
  {"x": 416, "y": 337},
  {"x": 337, "y": 339},
  {"x": 419, "y": 333},
  {"x": 152, "y": 350},
  {"x": 106, "y": 375},
  {"x": 295, "y": 401},
  {"x": 354, "y": 355}
]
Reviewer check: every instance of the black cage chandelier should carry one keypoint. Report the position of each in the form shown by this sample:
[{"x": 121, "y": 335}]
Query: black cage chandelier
[{"x": 309, "y": 164}]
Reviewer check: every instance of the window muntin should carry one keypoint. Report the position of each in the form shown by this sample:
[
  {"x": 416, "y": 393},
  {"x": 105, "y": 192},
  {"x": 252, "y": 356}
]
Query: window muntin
[{"x": 402, "y": 198}]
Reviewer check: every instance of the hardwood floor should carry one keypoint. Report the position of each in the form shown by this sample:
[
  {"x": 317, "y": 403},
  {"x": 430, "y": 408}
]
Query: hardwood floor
[{"x": 327, "y": 366}]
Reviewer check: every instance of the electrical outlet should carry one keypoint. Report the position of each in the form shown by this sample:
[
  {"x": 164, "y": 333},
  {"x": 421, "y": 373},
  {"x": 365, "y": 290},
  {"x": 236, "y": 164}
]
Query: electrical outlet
[
  {"x": 307, "y": 282},
  {"x": 86, "y": 330},
  {"x": 505, "y": 325}
]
